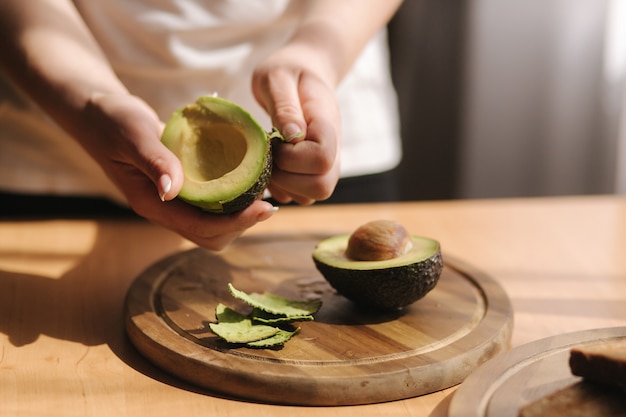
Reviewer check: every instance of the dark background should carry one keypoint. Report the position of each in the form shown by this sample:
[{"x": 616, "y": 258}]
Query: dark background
[{"x": 426, "y": 40}]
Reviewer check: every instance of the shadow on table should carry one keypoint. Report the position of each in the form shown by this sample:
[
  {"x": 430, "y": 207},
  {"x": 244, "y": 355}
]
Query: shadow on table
[{"x": 77, "y": 308}]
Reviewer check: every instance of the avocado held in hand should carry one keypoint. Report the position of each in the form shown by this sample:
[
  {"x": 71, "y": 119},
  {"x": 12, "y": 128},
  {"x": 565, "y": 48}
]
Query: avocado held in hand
[
  {"x": 225, "y": 154},
  {"x": 380, "y": 265}
]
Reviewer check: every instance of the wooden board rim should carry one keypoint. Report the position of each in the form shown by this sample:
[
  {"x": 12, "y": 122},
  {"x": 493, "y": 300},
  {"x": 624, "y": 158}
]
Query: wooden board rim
[
  {"x": 141, "y": 318},
  {"x": 473, "y": 397}
]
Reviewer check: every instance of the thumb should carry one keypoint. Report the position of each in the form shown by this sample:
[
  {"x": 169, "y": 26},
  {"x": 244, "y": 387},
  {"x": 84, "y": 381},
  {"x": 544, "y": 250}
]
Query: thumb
[
  {"x": 159, "y": 164},
  {"x": 277, "y": 92},
  {"x": 133, "y": 130},
  {"x": 164, "y": 169}
]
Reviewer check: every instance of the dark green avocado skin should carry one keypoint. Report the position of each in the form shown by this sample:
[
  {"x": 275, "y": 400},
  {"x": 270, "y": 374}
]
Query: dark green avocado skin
[{"x": 385, "y": 289}]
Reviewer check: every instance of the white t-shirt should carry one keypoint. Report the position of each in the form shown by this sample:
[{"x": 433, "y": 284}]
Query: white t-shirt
[{"x": 171, "y": 52}]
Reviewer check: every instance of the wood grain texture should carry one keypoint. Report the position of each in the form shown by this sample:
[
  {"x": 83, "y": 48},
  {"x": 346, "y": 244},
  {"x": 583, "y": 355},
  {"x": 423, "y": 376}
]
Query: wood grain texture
[
  {"x": 64, "y": 350},
  {"x": 348, "y": 355},
  {"x": 525, "y": 374}
]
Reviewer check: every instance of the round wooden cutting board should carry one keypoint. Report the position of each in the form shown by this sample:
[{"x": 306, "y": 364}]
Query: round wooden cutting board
[
  {"x": 347, "y": 355},
  {"x": 501, "y": 387}
]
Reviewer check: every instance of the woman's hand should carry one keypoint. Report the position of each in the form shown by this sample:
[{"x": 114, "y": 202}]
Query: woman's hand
[
  {"x": 125, "y": 141},
  {"x": 121, "y": 132},
  {"x": 301, "y": 102},
  {"x": 296, "y": 86}
]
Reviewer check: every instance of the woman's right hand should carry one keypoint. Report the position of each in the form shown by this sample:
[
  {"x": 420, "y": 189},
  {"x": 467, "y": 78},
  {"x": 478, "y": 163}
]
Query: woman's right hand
[{"x": 124, "y": 139}]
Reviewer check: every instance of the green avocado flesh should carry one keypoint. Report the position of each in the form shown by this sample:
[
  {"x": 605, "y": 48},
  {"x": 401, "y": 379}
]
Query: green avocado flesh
[
  {"x": 224, "y": 152},
  {"x": 389, "y": 284}
]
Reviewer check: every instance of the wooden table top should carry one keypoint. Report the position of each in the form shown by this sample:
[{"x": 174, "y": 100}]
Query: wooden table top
[{"x": 64, "y": 352}]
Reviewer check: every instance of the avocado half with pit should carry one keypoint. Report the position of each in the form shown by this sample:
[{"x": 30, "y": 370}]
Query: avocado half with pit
[
  {"x": 225, "y": 154},
  {"x": 380, "y": 265}
]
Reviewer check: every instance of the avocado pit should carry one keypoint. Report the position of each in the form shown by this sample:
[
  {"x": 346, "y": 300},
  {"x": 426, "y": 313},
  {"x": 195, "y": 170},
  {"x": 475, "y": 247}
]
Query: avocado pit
[{"x": 378, "y": 240}]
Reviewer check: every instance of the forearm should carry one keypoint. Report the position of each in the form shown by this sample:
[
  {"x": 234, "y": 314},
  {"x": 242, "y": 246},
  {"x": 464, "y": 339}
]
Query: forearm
[
  {"x": 340, "y": 30},
  {"x": 48, "y": 51}
]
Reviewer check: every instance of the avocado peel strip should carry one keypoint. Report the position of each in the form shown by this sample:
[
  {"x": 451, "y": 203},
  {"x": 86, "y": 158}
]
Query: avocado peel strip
[
  {"x": 237, "y": 328},
  {"x": 269, "y": 325},
  {"x": 276, "y": 304}
]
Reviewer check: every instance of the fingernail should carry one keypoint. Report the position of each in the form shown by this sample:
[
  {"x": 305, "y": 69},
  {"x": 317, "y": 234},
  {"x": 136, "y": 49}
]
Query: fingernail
[
  {"x": 291, "y": 131},
  {"x": 267, "y": 213},
  {"x": 165, "y": 185}
]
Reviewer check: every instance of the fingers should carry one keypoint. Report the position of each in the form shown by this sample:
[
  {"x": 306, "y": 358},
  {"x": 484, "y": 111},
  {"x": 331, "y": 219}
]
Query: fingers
[
  {"x": 317, "y": 155},
  {"x": 161, "y": 166},
  {"x": 309, "y": 170},
  {"x": 150, "y": 155},
  {"x": 131, "y": 133},
  {"x": 276, "y": 90},
  {"x": 211, "y": 231},
  {"x": 306, "y": 168},
  {"x": 216, "y": 231},
  {"x": 302, "y": 188},
  {"x": 124, "y": 138},
  {"x": 285, "y": 197}
]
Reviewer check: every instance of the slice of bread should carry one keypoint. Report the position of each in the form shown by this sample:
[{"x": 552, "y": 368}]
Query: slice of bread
[
  {"x": 602, "y": 391},
  {"x": 603, "y": 363}
]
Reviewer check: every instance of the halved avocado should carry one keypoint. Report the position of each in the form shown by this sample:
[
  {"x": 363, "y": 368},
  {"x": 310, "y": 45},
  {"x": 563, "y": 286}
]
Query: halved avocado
[
  {"x": 386, "y": 284},
  {"x": 225, "y": 154}
]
